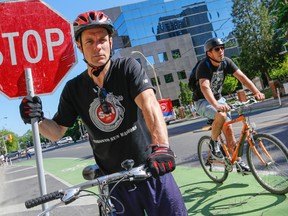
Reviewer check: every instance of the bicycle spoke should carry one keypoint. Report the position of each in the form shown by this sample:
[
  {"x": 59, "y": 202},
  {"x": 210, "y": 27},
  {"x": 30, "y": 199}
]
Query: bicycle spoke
[
  {"x": 214, "y": 169},
  {"x": 273, "y": 174}
]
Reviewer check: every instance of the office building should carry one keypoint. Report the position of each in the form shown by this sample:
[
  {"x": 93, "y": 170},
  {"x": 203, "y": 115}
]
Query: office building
[{"x": 156, "y": 27}]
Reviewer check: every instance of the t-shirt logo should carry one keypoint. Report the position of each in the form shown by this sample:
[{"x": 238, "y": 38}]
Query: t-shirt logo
[{"x": 107, "y": 122}]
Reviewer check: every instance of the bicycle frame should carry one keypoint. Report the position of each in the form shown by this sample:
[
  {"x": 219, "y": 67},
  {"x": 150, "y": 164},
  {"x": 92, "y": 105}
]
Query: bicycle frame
[{"x": 245, "y": 134}]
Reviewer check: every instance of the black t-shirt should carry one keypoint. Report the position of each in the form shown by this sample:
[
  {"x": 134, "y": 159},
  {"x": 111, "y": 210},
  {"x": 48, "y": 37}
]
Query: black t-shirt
[
  {"x": 123, "y": 133},
  {"x": 216, "y": 75}
]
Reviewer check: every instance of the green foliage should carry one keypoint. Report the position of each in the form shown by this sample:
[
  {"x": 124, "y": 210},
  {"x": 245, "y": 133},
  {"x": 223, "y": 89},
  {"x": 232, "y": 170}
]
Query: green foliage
[
  {"x": 230, "y": 85},
  {"x": 185, "y": 94},
  {"x": 267, "y": 92},
  {"x": 280, "y": 73},
  {"x": 26, "y": 139},
  {"x": 258, "y": 41},
  {"x": 11, "y": 146},
  {"x": 279, "y": 11},
  {"x": 74, "y": 131}
]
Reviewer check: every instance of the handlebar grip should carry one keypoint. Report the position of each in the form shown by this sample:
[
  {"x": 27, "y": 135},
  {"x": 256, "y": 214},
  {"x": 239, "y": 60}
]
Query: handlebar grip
[{"x": 43, "y": 199}]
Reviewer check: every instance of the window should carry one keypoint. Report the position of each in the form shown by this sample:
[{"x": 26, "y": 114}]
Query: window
[
  {"x": 176, "y": 54},
  {"x": 168, "y": 78},
  {"x": 162, "y": 57},
  {"x": 150, "y": 59},
  {"x": 181, "y": 75},
  {"x": 138, "y": 59},
  {"x": 153, "y": 81}
]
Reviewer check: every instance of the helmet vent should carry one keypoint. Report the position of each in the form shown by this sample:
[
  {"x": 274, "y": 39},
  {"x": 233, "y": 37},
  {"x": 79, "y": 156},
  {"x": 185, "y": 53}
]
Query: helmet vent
[
  {"x": 92, "y": 16},
  {"x": 83, "y": 18}
]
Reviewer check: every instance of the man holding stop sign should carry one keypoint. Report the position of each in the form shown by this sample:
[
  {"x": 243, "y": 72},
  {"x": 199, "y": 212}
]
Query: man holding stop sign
[{"x": 118, "y": 106}]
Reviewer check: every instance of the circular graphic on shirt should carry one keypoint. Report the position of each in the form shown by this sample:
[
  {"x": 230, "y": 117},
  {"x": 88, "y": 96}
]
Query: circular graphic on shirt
[
  {"x": 107, "y": 122},
  {"x": 106, "y": 118}
]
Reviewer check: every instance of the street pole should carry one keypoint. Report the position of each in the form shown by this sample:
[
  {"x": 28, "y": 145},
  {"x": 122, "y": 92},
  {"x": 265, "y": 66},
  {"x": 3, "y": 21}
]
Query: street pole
[{"x": 153, "y": 69}]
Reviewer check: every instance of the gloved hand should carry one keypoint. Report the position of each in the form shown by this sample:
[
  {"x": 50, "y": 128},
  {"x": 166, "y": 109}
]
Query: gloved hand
[
  {"x": 31, "y": 107},
  {"x": 161, "y": 160}
]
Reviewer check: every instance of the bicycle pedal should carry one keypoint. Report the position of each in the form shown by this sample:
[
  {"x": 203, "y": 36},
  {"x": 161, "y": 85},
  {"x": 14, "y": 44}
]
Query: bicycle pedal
[{"x": 228, "y": 165}]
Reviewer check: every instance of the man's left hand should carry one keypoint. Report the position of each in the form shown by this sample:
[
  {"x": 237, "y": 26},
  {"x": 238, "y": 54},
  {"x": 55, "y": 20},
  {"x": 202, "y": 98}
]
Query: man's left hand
[{"x": 161, "y": 160}]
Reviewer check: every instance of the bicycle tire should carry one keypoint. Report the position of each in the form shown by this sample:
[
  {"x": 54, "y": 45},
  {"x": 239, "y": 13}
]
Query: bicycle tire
[
  {"x": 273, "y": 176},
  {"x": 214, "y": 169}
]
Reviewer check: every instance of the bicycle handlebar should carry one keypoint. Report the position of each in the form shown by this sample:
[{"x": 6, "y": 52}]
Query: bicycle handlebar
[
  {"x": 239, "y": 105},
  {"x": 70, "y": 194}
]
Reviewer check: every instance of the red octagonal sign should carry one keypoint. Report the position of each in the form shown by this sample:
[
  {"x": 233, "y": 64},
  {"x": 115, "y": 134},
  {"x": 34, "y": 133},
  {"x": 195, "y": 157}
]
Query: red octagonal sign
[{"x": 33, "y": 36}]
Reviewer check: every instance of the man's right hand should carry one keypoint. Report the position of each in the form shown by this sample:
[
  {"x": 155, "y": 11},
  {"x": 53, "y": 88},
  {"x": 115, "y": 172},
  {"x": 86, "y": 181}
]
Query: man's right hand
[
  {"x": 223, "y": 108},
  {"x": 31, "y": 107}
]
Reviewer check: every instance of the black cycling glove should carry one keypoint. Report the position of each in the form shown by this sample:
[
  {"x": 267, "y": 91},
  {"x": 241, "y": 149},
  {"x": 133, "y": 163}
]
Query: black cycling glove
[
  {"x": 161, "y": 160},
  {"x": 31, "y": 107}
]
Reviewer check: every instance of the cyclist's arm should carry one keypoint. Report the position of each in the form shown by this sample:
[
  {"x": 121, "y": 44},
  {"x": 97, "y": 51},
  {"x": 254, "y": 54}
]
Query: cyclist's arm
[
  {"x": 51, "y": 130},
  {"x": 248, "y": 84},
  {"x": 208, "y": 94},
  {"x": 153, "y": 116}
]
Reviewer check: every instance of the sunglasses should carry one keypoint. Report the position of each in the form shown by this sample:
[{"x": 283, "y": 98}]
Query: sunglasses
[
  {"x": 217, "y": 49},
  {"x": 105, "y": 106}
]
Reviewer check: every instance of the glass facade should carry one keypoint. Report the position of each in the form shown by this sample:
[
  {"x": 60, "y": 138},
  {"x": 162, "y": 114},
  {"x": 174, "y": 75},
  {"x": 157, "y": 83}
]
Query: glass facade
[{"x": 153, "y": 20}]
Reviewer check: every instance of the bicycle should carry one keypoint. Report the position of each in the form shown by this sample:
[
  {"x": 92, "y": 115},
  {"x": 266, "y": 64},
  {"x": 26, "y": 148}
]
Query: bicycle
[
  {"x": 267, "y": 156},
  {"x": 95, "y": 177}
]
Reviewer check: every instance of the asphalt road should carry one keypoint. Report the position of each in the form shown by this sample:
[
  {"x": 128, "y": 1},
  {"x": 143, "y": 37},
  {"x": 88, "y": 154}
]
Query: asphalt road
[
  {"x": 18, "y": 184},
  {"x": 184, "y": 134}
]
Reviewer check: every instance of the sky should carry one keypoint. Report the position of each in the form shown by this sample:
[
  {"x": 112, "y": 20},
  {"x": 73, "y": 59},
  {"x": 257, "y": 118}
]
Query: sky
[{"x": 9, "y": 108}]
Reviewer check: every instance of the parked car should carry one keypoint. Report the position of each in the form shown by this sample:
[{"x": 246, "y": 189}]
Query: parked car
[
  {"x": 12, "y": 154},
  {"x": 31, "y": 150},
  {"x": 64, "y": 140}
]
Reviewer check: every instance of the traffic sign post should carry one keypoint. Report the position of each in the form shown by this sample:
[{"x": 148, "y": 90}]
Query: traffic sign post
[{"x": 36, "y": 53}]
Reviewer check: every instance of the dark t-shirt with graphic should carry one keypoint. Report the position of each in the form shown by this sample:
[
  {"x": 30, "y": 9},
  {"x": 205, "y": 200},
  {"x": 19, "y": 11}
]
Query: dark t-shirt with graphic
[
  {"x": 216, "y": 75},
  {"x": 121, "y": 134}
]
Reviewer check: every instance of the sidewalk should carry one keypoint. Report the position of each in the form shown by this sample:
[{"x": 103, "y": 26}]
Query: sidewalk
[
  {"x": 267, "y": 104},
  {"x": 238, "y": 195}
]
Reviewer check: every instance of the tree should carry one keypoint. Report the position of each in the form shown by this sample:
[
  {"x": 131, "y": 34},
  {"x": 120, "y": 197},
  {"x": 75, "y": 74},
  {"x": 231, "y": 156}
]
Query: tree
[
  {"x": 10, "y": 146},
  {"x": 279, "y": 9},
  {"x": 281, "y": 73},
  {"x": 230, "y": 85},
  {"x": 256, "y": 37},
  {"x": 74, "y": 131},
  {"x": 26, "y": 139},
  {"x": 185, "y": 94}
]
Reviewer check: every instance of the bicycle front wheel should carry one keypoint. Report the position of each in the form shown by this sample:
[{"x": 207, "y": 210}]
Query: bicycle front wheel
[
  {"x": 214, "y": 169},
  {"x": 273, "y": 173}
]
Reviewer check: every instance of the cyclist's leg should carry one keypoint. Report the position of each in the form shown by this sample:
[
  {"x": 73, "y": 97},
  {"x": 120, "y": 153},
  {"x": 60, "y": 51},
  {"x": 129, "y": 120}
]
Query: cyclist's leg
[
  {"x": 128, "y": 196},
  {"x": 156, "y": 196},
  {"x": 164, "y": 197},
  {"x": 204, "y": 108}
]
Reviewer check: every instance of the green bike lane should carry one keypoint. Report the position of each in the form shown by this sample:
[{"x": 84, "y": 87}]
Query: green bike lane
[{"x": 238, "y": 195}]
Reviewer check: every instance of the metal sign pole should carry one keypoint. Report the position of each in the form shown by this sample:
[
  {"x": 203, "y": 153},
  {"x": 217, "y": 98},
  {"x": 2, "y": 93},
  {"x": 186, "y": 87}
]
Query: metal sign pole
[{"x": 36, "y": 140}]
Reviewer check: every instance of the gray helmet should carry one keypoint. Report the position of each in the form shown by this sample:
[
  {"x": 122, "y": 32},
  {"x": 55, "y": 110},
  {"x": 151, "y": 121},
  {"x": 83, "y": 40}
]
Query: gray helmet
[
  {"x": 92, "y": 19},
  {"x": 211, "y": 43}
]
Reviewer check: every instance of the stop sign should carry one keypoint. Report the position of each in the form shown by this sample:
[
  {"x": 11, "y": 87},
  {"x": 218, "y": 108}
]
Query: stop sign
[{"x": 37, "y": 37}]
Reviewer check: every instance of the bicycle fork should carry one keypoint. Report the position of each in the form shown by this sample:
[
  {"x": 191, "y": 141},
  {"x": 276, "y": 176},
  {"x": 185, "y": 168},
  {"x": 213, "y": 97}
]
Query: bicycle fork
[
  {"x": 252, "y": 144},
  {"x": 105, "y": 205}
]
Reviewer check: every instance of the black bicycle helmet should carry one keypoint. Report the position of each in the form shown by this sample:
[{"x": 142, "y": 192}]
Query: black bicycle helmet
[
  {"x": 92, "y": 19},
  {"x": 211, "y": 43}
]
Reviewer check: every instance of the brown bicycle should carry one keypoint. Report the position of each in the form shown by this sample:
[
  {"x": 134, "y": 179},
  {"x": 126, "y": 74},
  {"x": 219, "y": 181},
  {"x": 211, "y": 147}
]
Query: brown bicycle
[{"x": 267, "y": 156}]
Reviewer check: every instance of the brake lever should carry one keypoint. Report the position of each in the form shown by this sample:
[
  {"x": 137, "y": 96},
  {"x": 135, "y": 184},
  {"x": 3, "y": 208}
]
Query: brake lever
[{"x": 50, "y": 208}]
